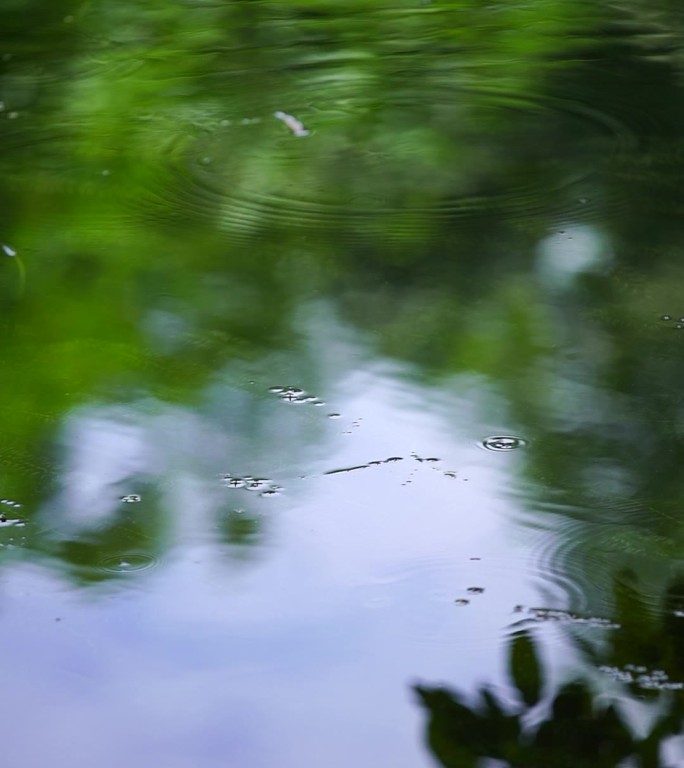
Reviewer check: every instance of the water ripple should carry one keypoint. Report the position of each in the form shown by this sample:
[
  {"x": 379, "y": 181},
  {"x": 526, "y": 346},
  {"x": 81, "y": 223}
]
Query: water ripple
[{"x": 207, "y": 180}]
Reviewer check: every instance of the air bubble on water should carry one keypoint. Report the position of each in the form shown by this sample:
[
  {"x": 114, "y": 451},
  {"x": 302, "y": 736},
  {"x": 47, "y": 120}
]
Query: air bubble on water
[
  {"x": 131, "y": 498},
  {"x": 475, "y": 590},
  {"x": 274, "y": 490},
  {"x": 678, "y": 613},
  {"x": 503, "y": 443},
  {"x": 225, "y": 123},
  {"x": 296, "y": 395},
  {"x": 262, "y": 486},
  {"x": 334, "y": 415},
  {"x": 127, "y": 563},
  {"x": 292, "y": 394},
  {"x": 234, "y": 482},
  {"x": 11, "y": 522},
  {"x": 461, "y": 601},
  {"x": 8, "y": 250},
  {"x": 105, "y": 172},
  {"x": 666, "y": 317},
  {"x": 679, "y": 326},
  {"x": 582, "y": 200},
  {"x": 257, "y": 483}
]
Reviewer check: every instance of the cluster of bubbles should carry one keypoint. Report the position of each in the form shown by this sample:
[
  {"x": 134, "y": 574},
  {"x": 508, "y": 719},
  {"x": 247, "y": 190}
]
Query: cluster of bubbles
[
  {"x": 131, "y": 498},
  {"x": 10, "y": 521},
  {"x": 668, "y": 319},
  {"x": 262, "y": 486},
  {"x": 296, "y": 395},
  {"x": 636, "y": 674},
  {"x": 559, "y": 615}
]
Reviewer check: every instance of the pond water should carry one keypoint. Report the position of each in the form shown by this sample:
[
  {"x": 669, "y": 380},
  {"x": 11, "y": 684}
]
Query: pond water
[{"x": 342, "y": 357}]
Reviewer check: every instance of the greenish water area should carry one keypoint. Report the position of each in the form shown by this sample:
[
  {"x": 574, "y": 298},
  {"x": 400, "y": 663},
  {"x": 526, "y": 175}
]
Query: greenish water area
[{"x": 342, "y": 363}]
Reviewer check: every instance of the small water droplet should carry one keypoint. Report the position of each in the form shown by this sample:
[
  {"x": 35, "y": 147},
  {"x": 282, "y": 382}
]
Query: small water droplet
[
  {"x": 666, "y": 317},
  {"x": 334, "y": 415},
  {"x": 582, "y": 200},
  {"x": 105, "y": 172},
  {"x": 461, "y": 601},
  {"x": 503, "y": 443},
  {"x": 131, "y": 498},
  {"x": 679, "y": 326},
  {"x": 276, "y": 390},
  {"x": 8, "y": 250},
  {"x": 475, "y": 590},
  {"x": 127, "y": 563}
]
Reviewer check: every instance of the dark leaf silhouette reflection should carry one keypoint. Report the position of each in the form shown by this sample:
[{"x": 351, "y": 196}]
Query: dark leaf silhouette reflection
[{"x": 576, "y": 726}]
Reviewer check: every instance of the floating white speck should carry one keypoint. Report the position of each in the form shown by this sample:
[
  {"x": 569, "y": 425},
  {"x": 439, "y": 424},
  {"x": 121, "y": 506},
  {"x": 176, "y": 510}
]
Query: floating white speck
[
  {"x": 8, "y": 250},
  {"x": 296, "y": 126}
]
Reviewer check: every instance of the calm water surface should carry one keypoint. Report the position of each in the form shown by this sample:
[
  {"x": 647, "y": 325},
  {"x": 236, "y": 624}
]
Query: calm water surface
[{"x": 342, "y": 356}]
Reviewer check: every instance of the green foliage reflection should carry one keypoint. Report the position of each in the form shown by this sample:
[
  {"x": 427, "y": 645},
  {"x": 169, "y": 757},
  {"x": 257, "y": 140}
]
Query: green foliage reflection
[{"x": 577, "y": 728}]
